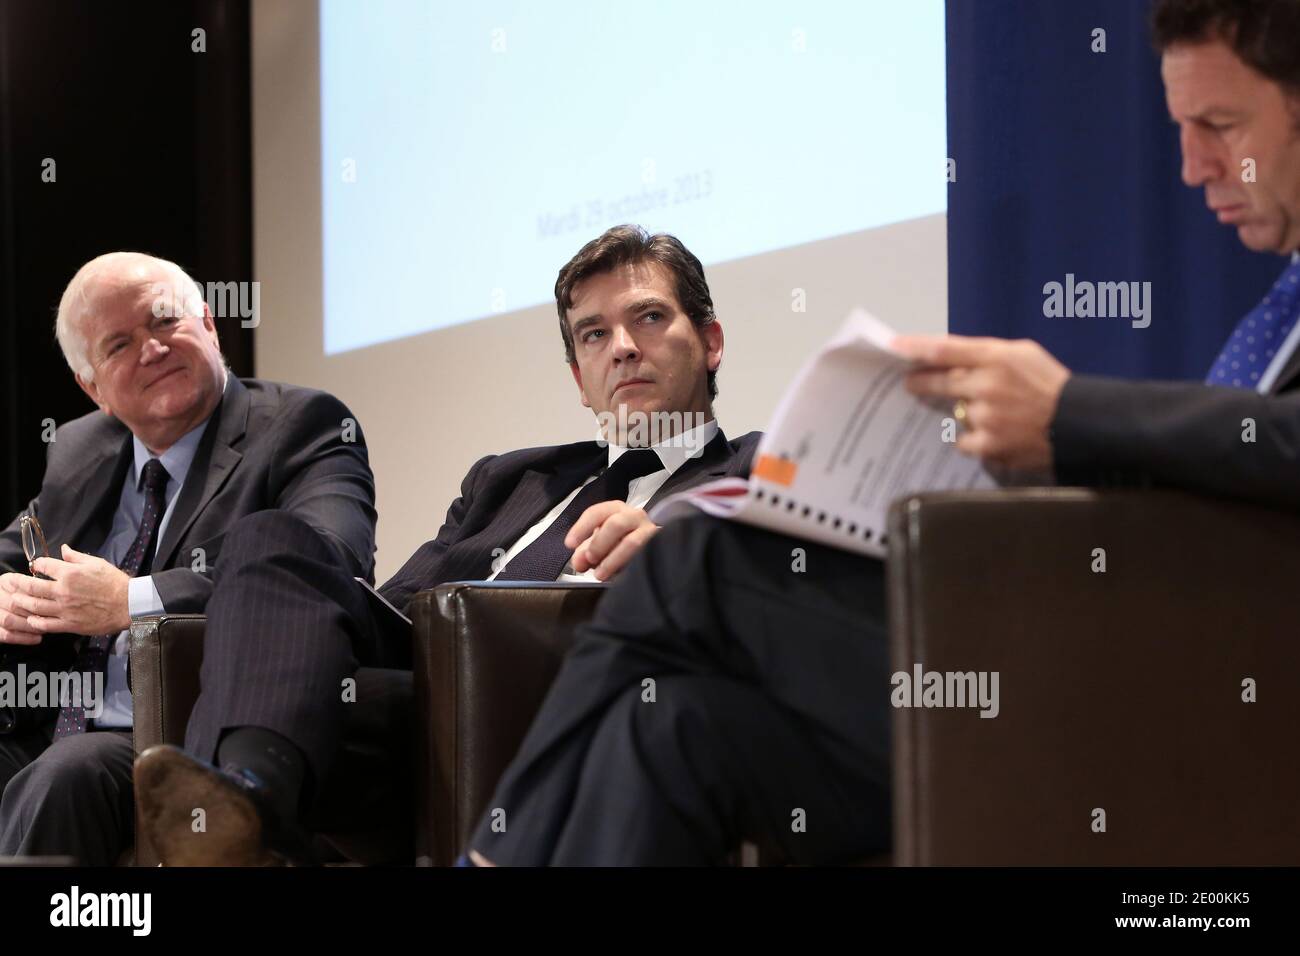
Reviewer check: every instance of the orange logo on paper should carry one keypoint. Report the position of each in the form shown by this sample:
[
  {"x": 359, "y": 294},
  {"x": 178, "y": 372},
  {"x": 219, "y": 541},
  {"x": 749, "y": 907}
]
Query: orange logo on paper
[{"x": 779, "y": 471}]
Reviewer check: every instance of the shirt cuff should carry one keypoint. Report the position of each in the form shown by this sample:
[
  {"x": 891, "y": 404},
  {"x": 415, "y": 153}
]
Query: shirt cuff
[{"x": 142, "y": 598}]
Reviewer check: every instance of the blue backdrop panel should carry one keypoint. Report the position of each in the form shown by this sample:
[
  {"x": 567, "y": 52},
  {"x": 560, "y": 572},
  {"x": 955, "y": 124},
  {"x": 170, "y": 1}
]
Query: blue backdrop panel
[{"x": 1067, "y": 162}]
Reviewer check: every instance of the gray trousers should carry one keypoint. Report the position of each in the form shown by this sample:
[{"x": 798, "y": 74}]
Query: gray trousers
[{"x": 72, "y": 797}]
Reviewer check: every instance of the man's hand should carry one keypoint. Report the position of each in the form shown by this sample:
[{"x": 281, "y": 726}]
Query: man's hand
[
  {"x": 606, "y": 536},
  {"x": 13, "y": 624},
  {"x": 86, "y": 595},
  {"x": 1011, "y": 390}
]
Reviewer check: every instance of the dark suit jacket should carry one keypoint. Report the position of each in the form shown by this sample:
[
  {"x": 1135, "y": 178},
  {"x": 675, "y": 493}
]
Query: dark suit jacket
[
  {"x": 266, "y": 446},
  {"x": 505, "y": 495},
  {"x": 1181, "y": 434}
]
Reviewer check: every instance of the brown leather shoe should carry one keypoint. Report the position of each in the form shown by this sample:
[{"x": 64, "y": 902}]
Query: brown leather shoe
[{"x": 235, "y": 828}]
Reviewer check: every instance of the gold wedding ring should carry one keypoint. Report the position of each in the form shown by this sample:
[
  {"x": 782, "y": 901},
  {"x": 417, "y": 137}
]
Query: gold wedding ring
[{"x": 959, "y": 412}]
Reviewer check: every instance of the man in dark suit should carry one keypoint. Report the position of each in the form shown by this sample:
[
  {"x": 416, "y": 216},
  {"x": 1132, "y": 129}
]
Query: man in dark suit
[
  {"x": 769, "y": 719},
  {"x": 136, "y": 504},
  {"x": 643, "y": 346}
]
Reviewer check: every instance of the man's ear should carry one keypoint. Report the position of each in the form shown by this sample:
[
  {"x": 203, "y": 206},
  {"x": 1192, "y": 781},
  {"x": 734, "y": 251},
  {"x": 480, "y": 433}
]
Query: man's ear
[
  {"x": 210, "y": 325},
  {"x": 713, "y": 340},
  {"x": 92, "y": 390},
  {"x": 577, "y": 377}
]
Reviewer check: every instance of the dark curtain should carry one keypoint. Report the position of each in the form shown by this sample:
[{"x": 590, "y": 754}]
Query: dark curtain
[
  {"x": 1067, "y": 162},
  {"x": 151, "y": 143}
]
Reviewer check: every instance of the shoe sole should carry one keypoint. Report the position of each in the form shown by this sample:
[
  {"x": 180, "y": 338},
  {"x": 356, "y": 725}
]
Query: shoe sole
[{"x": 170, "y": 787}]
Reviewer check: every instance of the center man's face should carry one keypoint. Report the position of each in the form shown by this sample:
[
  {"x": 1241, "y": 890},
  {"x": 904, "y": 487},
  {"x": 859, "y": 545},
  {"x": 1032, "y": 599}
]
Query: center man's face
[
  {"x": 634, "y": 346},
  {"x": 1240, "y": 137}
]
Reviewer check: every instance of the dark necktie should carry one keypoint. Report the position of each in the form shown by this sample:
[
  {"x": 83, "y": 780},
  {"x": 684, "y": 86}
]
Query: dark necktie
[
  {"x": 1250, "y": 349},
  {"x": 93, "y": 656},
  {"x": 545, "y": 558}
]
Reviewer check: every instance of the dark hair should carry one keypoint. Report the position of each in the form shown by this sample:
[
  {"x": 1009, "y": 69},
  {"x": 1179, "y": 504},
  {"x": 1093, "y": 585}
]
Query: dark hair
[
  {"x": 623, "y": 245},
  {"x": 1265, "y": 34}
]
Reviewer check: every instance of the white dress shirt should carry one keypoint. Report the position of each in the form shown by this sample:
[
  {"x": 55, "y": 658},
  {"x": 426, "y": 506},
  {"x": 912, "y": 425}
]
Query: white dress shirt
[
  {"x": 673, "y": 453},
  {"x": 1284, "y": 352}
]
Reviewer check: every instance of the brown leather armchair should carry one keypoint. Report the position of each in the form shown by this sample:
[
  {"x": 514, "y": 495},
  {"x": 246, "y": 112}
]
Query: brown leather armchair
[
  {"x": 485, "y": 655},
  {"x": 1119, "y": 690},
  {"x": 369, "y": 817}
]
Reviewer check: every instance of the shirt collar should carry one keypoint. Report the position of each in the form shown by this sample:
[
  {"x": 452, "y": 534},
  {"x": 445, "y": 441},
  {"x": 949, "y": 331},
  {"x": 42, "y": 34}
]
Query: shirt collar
[
  {"x": 676, "y": 451},
  {"x": 178, "y": 458}
]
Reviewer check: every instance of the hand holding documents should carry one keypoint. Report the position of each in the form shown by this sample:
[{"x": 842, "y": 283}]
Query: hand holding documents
[{"x": 846, "y": 440}]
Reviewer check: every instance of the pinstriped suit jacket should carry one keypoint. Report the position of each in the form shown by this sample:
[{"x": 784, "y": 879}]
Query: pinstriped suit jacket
[
  {"x": 266, "y": 446},
  {"x": 504, "y": 495}
]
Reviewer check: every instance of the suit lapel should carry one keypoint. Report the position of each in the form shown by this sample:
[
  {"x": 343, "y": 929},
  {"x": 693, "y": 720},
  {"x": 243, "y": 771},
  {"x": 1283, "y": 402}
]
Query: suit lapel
[
  {"x": 214, "y": 461},
  {"x": 540, "y": 489},
  {"x": 536, "y": 492},
  {"x": 711, "y": 463},
  {"x": 94, "y": 498}
]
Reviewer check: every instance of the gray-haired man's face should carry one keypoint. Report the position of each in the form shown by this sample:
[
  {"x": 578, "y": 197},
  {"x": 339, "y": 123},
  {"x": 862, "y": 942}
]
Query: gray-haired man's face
[{"x": 160, "y": 374}]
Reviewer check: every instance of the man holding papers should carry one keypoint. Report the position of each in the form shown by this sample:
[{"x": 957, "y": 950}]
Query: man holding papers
[
  {"x": 717, "y": 697},
  {"x": 1233, "y": 98}
]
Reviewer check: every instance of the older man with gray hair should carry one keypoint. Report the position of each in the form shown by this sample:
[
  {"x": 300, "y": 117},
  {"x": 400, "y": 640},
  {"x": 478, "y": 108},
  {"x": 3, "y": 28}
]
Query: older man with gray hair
[{"x": 135, "y": 505}]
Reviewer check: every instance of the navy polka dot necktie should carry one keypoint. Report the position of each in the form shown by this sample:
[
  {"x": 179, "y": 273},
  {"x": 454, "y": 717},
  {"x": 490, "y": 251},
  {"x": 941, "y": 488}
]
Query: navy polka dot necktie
[
  {"x": 1255, "y": 341},
  {"x": 92, "y": 659}
]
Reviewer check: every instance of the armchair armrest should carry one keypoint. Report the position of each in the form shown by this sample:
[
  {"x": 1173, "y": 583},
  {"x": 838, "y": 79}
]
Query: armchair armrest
[
  {"x": 166, "y": 653},
  {"x": 367, "y": 816},
  {"x": 485, "y": 656},
  {"x": 1121, "y": 690}
]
